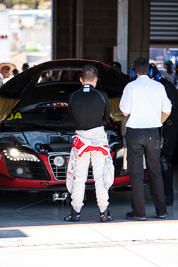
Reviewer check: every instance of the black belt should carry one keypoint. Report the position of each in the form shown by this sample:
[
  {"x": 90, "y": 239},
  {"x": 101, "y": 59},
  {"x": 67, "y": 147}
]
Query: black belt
[{"x": 152, "y": 128}]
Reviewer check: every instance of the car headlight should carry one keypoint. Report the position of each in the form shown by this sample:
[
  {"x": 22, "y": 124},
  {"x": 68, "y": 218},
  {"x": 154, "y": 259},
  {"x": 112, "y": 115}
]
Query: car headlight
[
  {"x": 119, "y": 153},
  {"x": 14, "y": 152},
  {"x": 59, "y": 161},
  {"x": 16, "y": 155}
]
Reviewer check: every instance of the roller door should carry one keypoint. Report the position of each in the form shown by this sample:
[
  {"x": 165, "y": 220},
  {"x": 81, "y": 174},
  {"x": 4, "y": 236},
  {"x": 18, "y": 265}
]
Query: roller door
[{"x": 164, "y": 23}]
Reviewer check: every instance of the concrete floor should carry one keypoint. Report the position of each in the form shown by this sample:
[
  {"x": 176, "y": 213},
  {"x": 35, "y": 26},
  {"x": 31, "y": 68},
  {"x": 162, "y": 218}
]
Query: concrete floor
[{"x": 33, "y": 233}]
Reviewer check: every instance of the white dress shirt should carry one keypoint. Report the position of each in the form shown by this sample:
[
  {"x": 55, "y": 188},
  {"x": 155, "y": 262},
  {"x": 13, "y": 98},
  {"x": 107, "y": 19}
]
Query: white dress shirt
[{"x": 144, "y": 100}]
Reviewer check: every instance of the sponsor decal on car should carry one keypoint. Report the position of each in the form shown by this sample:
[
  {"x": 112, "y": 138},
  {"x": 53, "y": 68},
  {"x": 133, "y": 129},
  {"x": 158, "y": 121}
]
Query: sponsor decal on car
[{"x": 15, "y": 116}]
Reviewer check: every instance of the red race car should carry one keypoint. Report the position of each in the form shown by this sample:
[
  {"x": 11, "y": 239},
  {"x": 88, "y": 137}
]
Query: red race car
[{"x": 36, "y": 130}]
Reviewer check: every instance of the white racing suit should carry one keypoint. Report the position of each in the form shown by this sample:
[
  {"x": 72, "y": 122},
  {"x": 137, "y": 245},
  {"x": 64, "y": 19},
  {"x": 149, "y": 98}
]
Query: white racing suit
[{"x": 90, "y": 145}]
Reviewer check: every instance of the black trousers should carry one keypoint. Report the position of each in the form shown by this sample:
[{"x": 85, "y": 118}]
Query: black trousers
[
  {"x": 140, "y": 142},
  {"x": 170, "y": 135}
]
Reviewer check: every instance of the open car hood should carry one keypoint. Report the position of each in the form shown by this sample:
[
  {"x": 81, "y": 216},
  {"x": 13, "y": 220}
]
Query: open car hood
[{"x": 21, "y": 91}]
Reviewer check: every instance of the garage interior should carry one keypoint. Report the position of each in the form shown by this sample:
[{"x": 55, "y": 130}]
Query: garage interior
[
  {"x": 32, "y": 230},
  {"x": 120, "y": 30}
]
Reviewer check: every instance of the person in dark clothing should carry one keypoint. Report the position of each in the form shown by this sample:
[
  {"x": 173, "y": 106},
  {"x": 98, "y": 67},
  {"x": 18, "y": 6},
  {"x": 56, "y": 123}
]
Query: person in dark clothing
[
  {"x": 89, "y": 108},
  {"x": 15, "y": 72},
  {"x": 91, "y": 117},
  {"x": 170, "y": 136},
  {"x": 117, "y": 65},
  {"x": 25, "y": 66}
]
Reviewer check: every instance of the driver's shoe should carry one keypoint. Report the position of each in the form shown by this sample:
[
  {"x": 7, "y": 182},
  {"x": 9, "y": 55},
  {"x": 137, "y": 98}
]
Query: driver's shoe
[
  {"x": 105, "y": 216},
  {"x": 73, "y": 217}
]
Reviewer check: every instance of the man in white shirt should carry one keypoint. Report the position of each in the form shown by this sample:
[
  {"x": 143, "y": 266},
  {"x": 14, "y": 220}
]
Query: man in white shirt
[{"x": 144, "y": 100}]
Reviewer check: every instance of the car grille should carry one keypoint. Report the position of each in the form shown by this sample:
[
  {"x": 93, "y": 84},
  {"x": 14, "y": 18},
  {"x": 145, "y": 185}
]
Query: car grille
[{"x": 60, "y": 173}]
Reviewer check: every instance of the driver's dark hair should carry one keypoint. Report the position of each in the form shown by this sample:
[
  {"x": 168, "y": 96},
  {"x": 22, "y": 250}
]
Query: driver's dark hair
[
  {"x": 141, "y": 66},
  {"x": 89, "y": 72}
]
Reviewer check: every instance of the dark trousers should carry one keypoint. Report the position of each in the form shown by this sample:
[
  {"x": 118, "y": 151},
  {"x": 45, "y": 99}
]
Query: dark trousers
[
  {"x": 140, "y": 142},
  {"x": 170, "y": 135}
]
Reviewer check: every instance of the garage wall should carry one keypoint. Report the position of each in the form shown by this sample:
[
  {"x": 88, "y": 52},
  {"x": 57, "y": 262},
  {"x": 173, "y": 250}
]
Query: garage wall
[
  {"x": 98, "y": 29},
  {"x": 63, "y": 28},
  {"x": 138, "y": 30}
]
